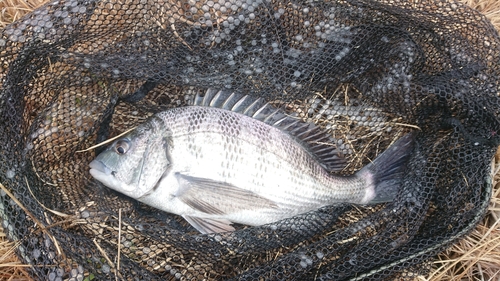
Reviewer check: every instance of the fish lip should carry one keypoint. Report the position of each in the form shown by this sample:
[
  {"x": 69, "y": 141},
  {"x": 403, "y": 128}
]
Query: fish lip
[
  {"x": 106, "y": 176},
  {"x": 100, "y": 167}
]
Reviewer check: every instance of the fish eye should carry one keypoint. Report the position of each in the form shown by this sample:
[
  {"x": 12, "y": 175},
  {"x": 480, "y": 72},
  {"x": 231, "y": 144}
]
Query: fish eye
[{"x": 122, "y": 146}]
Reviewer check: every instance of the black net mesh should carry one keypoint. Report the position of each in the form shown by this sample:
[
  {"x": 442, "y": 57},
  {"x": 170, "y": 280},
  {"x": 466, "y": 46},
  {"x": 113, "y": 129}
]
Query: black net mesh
[{"x": 75, "y": 73}]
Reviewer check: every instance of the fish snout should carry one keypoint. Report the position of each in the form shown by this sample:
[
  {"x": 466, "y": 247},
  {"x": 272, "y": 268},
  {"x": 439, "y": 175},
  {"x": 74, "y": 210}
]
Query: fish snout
[
  {"x": 107, "y": 176},
  {"x": 97, "y": 165}
]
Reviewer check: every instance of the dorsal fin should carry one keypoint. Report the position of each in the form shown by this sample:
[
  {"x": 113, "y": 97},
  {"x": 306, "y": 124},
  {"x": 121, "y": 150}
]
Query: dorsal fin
[{"x": 317, "y": 141}]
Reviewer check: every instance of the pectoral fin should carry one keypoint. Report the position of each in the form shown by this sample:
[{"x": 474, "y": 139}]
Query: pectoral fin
[
  {"x": 205, "y": 225},
  {"x": 218, "y": 198}
]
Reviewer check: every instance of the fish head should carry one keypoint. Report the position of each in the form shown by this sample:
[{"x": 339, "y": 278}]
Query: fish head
[{"x": 135, "y": 163}]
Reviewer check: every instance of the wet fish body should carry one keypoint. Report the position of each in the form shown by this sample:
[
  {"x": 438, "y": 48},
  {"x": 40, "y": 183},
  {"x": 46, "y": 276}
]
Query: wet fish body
[{"x": 215, "y": 166}]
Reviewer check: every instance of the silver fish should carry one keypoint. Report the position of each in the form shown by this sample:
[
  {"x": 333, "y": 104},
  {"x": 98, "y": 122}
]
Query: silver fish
[{"x": 239, "y": 160}]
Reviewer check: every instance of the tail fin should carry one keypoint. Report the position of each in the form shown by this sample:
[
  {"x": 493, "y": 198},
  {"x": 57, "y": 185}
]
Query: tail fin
[{"x": 387, "y": 170}]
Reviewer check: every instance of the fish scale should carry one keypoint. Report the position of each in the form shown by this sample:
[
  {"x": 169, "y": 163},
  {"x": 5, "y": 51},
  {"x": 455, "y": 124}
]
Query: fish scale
[{"x": 249, "y": 164}]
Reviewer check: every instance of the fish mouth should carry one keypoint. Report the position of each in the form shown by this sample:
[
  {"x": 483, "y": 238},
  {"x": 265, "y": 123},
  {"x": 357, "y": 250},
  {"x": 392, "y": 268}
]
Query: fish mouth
[
  {"x": 106, "y": 176},
  {"x": 97, "y": 166},
  {"x": 102, "y": 173}
]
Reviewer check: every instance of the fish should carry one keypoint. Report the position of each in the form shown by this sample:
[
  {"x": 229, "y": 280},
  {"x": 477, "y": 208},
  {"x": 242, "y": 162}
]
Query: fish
[{"x": 232, "y": 158}]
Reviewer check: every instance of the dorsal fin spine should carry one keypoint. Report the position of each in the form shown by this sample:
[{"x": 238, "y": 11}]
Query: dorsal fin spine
[
  {"x": 290, "y": 125},
  {"x": 239, "y": 103},
  {"x": 266, "y": 120},
  {"x": 326, "y": 147},
  {"x": 215, "y": 99},
  {"x": 259, "y": 111},
  {"x": 296, "y": 130},
  {"x": 316, "y": 134},
  {"x": 251, "y": 106},
  {"x": 277, "y": 123},
  {"x": 307, "y": 131},
  {"x": 207, "y": 98},
  {"x": 225, "y": 105}
]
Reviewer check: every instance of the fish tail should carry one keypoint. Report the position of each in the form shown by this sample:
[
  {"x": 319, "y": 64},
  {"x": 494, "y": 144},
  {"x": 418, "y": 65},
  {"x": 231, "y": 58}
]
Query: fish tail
[{"x": 386, "y": 172}]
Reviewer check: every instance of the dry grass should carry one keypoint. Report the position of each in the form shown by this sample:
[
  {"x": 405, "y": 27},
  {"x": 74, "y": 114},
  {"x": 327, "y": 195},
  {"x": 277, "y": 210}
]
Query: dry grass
[
  {"x": 12, "y": 10},
  {"x": 476, "y": 257},
  {"x": 489, "y": 8},
  {"x": 10, "y": 266}
]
